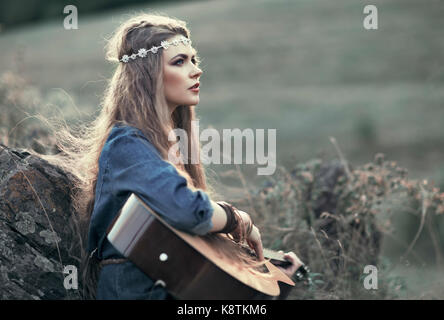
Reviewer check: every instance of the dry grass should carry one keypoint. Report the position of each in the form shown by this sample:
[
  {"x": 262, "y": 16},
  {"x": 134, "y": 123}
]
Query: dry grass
[{"x": 363, "y": 205}]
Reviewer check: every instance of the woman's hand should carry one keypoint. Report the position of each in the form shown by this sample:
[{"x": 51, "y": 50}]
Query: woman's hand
[
  {"x": 295, "y": 263},
  {"x": 255, "y": 242},
  {"x": 254, "y": 239}
]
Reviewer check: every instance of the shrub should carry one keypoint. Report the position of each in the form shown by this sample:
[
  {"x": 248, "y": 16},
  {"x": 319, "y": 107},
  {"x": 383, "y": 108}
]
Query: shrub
[{"x": 335, "y": 218}]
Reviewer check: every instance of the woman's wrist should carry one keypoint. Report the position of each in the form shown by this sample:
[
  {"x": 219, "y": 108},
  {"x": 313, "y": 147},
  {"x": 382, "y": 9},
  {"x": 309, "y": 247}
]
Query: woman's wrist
[
  {"x": 219, "y": 218},
  {"x": 238, "y": 224},
  {"x": 235, "y": 227},
  {"x": 232, "y": 219}
]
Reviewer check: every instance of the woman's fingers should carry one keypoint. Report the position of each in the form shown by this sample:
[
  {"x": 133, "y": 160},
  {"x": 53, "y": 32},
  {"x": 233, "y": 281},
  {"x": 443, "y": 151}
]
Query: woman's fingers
[
  {"x": 255, "y": 242},
  {"x": 291, "y": 256},
  {"x": 259, "y": 250},
  {"x": 295, "y": 263},
  {"x": 254, "y": 238},
  {"x": 245, "y": 218}
]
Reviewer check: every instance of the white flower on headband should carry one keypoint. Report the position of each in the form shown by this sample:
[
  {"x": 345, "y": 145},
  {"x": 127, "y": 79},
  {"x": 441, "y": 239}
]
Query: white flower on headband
[
  {"x": 142, "y": 52},
  {"x": 164, "y": 44}
]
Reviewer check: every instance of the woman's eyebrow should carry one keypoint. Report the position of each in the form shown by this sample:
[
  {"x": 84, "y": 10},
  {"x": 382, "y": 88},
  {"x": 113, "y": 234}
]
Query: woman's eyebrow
[{"x": 182, "y": 55}]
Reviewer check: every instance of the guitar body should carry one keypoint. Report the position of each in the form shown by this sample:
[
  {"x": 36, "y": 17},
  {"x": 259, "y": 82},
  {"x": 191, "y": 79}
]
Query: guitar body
[{"x": 188, "y": 266}]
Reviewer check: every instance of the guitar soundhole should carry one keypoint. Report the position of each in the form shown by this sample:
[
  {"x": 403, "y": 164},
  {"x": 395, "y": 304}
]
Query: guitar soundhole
[{"x": 262, "y": 269}]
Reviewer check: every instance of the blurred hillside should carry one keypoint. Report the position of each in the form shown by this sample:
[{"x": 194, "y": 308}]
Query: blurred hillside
[
  {"x": 307, "y": 68},
  {"x": 17, "y": 13}
]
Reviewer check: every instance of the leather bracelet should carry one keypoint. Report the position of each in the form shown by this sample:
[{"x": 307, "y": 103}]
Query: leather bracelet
[
  {"x": 232, "y": 221},
  {"x": 240, "y": 233},
  {"x": 235, "y": 227},
  {"x": 235, "y": 231}
]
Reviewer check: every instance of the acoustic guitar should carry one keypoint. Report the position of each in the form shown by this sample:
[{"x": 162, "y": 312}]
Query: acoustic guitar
[{"x": 187, "y": 265}]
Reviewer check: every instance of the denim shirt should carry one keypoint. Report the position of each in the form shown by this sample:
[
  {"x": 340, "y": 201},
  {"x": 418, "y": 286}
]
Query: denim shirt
[{"x": 129, "y": 163}]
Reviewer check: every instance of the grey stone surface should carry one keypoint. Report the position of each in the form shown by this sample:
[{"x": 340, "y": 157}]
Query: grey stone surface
[{"x": 37, "y": 233}]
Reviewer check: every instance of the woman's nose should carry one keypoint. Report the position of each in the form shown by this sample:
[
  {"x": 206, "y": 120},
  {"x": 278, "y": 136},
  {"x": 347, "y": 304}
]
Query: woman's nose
[{"x": 197, "y": 72}]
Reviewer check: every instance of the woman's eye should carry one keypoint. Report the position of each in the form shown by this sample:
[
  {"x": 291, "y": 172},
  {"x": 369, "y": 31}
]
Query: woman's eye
[
  {"x": 182, "y": 61},
  {"x": 178, "y": 62}
]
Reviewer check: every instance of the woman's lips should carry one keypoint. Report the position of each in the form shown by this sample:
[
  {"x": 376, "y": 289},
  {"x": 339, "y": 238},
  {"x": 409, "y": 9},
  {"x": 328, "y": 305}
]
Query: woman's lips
[{"x": 195, "y": 88}]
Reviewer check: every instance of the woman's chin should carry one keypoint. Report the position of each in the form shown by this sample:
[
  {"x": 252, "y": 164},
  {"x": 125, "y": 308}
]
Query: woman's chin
[{"x": 193, "y": 102}]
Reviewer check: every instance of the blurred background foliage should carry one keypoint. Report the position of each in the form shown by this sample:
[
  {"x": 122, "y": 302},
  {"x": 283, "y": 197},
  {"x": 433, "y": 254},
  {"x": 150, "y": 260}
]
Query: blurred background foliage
[{"x": 307, "y": 68}]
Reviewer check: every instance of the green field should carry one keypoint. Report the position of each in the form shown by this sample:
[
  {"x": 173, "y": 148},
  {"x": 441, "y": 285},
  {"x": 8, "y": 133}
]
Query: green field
[{"x": 307, "y": 68}]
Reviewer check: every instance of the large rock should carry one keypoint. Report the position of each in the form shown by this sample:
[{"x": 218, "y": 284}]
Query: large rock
[{"x": 38, "y": 237}]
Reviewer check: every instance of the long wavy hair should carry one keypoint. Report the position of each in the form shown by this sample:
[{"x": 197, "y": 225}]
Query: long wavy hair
[{"x": 134, "y": 96}]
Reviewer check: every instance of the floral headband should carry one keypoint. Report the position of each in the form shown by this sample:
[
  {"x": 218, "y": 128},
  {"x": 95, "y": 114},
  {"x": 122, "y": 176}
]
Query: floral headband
[{"x": 142, "y": 53}]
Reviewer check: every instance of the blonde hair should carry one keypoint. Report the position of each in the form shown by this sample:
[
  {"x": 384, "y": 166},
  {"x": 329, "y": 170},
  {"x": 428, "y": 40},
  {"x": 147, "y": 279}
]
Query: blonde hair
[{"x": 134, "y": 96}]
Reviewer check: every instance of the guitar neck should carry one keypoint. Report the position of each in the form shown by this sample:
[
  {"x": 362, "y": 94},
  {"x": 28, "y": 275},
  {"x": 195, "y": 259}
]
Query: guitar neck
[{"x": 274, "y": 255}]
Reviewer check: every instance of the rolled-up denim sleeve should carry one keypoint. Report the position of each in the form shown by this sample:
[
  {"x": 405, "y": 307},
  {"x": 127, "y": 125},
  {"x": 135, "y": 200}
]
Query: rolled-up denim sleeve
[{"x": 135, "y": 165}]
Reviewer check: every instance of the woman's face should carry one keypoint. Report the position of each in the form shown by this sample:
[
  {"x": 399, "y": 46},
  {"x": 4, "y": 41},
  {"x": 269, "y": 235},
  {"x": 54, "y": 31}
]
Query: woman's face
[{"x": 180, "y": 73}]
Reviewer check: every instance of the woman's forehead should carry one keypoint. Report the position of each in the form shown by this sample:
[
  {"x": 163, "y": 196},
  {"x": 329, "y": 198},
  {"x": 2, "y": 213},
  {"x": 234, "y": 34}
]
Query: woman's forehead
[{"x": 181, "y": 48}]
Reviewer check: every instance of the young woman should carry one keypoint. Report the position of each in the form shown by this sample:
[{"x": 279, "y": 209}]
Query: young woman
[{"x": 154, "y": 90}]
